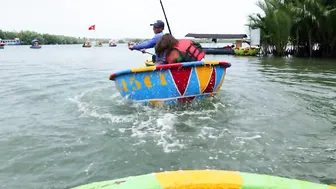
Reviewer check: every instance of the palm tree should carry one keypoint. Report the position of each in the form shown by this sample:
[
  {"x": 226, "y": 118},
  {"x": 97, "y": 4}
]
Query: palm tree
[
  {"x": 275, "y": 26},
  {"x": 304, "y": 23}
]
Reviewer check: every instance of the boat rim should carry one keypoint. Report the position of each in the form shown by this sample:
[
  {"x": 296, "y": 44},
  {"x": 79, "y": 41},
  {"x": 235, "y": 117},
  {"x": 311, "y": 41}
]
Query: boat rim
[
  {"x": 169, "y": 66},
  {"x": 209, "y": 178}
]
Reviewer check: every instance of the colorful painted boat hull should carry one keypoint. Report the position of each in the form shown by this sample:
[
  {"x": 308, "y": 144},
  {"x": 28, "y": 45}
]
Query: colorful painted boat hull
[
  {"x": 171, "y": 83},
  {"x": 211, "y": 179},
  {"x": 35, "y": 47}
]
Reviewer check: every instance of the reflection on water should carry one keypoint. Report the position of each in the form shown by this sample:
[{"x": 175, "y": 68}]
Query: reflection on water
[{"x": 312, "y": 81}]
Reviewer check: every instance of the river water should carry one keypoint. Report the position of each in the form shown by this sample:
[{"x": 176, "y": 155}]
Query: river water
[{"x": 63, "y": 123}]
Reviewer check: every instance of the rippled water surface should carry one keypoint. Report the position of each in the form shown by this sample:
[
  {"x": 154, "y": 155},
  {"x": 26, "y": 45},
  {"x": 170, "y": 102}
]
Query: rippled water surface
[{"x": 63, "y": 123}]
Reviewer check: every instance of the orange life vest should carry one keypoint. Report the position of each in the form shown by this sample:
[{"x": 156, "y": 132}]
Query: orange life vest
[{"x": 190, "y": 50}]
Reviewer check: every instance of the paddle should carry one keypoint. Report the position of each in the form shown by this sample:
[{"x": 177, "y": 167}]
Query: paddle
[
  {"x": 146, "y": 52},
  {"x": 165, "y": 17}
]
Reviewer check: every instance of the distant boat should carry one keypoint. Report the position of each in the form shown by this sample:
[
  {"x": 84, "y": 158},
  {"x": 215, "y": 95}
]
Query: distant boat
[
  {"x": 112, "y": 44},
  {"x": 133, "y": 43},
  {"x": 15, "y": 41},
  {"x": 2, "y": 45},
  {"x": 87, "y": 44},
  {"x": 35, "y": 44},
  {"x": 99, "y": 44}
]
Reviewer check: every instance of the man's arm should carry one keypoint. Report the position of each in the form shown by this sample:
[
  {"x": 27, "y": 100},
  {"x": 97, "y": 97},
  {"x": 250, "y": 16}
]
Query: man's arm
[{"x": 148, "y": 44}]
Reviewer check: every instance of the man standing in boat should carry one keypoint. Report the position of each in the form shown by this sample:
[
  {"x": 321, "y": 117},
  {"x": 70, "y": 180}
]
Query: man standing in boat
[{"x": 158, "y": 28}]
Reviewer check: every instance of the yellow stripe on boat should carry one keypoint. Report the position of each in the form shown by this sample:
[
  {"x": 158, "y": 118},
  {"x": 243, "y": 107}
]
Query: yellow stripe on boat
[
  {"x": 143, "y": 69},
  {"x": 209, "y": 179},
  {"x": 211, "y": 62}
]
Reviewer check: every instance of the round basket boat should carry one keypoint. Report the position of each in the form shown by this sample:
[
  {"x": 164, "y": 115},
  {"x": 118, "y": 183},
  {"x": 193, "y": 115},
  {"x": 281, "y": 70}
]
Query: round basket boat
[
  {"x": 171, "y": 83},
  {"x": 149, "y": 63},
  {"x": 204, "y": 179},
  {"x": 35, "y": 47}
]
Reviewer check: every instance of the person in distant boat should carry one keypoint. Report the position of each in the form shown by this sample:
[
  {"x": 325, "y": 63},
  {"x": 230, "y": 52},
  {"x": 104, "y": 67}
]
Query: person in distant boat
[
  {"x": 183, "y": 50},
  {"x": 158, "y": 28}
]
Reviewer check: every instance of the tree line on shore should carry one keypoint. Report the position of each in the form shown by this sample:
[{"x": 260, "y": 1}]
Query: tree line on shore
[
  {"x": 48, "y": 39},
  {"x": 27, "y": 36},
  {"x": 307, "y": 26}
]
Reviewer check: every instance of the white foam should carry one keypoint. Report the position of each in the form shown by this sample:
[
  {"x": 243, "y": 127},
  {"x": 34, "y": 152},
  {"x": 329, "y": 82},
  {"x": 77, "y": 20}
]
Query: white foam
[{"x": 158, "y": 125}]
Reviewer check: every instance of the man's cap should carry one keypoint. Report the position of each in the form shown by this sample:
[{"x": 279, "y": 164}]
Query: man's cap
[{"x": 158, "y": 24}]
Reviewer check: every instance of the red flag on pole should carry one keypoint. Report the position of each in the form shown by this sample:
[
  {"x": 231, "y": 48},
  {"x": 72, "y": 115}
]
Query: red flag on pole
[{"x": 93, "y": 27}]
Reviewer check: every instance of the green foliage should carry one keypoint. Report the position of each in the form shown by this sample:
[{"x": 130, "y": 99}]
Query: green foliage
[
  {"x": 304, "y": 24},
  {"x": 27, "y": 36},
  {"x": 48, "y": 39}
]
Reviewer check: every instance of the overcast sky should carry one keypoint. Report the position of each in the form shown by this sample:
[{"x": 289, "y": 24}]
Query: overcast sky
[{"x": 125, "y": 18}]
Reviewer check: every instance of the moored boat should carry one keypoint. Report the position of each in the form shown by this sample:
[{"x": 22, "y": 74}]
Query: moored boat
[
  {"x": 247, "y": 51},
  {"x": 2, "y": 44},
  {"x": 10, "y": 42},
  {"x": 219, "y": 179},
  {"x": 235, "y": 49},
  {"x": 218, "y": 50},
  {"x": 171, "y": 83},
  {"x": 238, "y": 38}
]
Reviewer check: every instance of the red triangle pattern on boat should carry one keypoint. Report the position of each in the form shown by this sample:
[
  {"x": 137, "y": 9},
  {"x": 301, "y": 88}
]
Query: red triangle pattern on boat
[
  {"x": 181, "y": 78},
  {"x": 212, "y": 81},
  {"x": 185, "y": 99}
]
